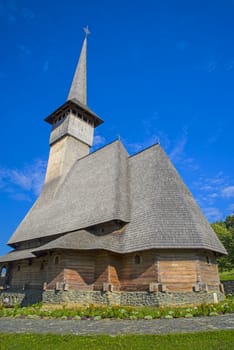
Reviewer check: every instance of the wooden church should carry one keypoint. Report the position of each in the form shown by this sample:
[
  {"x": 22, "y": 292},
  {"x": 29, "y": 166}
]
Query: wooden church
[{"x": 109, "y": 228}]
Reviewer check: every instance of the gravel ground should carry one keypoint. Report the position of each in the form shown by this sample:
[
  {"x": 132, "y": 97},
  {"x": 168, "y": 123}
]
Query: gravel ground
[{"x": 115, "y": 327}]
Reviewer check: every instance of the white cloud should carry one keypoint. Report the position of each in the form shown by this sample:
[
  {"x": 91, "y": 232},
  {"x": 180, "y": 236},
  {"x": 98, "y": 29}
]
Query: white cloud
[
  {"x": 212, "y": 214},
  {"x": 231, "y": 208},
  {"x": 11, "y": 11},
  {"x": 98, "y": 140},
  {"x": 20, "y": 197},
  {"x": 178, "y": 151},
  {"x": 134, "y": 147},
  {"x": 228, "y": 192},
  {"x": 21, "y": 183},
  {"x": 211, "y": 184},
  {"x": 214, "y": 192},
  {"x": 178, "y": 155}
]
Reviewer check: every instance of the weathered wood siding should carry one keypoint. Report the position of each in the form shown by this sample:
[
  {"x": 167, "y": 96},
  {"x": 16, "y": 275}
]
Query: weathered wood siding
[
  {"x": 79, "y": 269},
  {"x": 178, "y": 273},
  {"x": 137, "y": 276},
  {"x": 209, "y": 270},
  {"x": 93, "y": 270},
  {"x": 28, "y": 274},
  {"x": 114, "y": 268},
  {"x": 55, "y": 271},
  {"x": 101, "y": 269}
]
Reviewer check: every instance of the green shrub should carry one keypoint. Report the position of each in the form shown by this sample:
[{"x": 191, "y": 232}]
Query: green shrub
[{"x": 119, "y": 312}]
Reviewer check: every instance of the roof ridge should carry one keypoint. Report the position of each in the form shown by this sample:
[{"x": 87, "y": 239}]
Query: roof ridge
[{"x": 145, "y": 149}]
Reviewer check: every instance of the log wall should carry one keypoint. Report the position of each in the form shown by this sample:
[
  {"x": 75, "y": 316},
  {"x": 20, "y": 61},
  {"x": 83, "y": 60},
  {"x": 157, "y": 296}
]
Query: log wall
[
  {"x": 137, "y": 271},
  {"x": 94, "y": 270},
  {"x": 209, "y": 270},
  {"x": 79, "y": 270},
  {"x": 178, "y": 273},
  {"x": 28, "y": 273}
]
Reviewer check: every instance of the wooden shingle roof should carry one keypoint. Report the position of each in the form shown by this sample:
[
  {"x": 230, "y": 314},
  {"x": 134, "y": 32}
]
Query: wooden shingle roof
[
  {"x": 143, "y": 191},
  {"x": 94, "y": 191}
]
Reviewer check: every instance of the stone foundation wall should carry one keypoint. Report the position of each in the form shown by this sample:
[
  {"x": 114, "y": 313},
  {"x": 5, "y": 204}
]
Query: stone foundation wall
[
  {"x": 29, "y": 297},
  {"x": 228, "y": 287},
  {"x": 21, "y": 297}
]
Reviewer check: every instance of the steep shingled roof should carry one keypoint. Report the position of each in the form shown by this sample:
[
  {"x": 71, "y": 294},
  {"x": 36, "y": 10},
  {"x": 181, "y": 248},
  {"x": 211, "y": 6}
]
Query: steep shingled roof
[
  {"x": 144, "y": 191},
  {"x": 93, "y": 192},
  {"x": 16, "y": 255},
  {"x": 163, "y": 211}
]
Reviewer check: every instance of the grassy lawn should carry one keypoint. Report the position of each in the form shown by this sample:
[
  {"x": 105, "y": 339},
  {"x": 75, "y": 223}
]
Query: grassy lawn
[
  {"x": 227, "y": 275},
  {"x": 218, "y": 340}
]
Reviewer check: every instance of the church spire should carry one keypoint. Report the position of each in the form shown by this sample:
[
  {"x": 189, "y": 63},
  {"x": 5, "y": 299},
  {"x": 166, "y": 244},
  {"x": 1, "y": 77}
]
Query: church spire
[{"x": 78, "y": 88}]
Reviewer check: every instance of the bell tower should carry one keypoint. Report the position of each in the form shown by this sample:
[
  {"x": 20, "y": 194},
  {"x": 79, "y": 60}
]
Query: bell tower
[{"x": 72, "y": 124}]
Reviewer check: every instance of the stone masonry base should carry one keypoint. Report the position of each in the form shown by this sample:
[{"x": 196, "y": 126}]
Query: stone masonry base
[{"x": 29, "y": 297}]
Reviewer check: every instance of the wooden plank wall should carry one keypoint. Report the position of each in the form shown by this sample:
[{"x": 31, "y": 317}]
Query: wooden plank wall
[
  {"x": 79, "y": 269},
  {"x": 89, "y": 270},
  {"x": 28, "y": 275},
  {"x": 55, "y": 270},
  {"x": 101, "y": 269},
  {"x": 178, "y": 273},
  {"x": 209, "y": 270},
  {"x": 114, "y": 269},
  {"x": 138, "y": 276}
]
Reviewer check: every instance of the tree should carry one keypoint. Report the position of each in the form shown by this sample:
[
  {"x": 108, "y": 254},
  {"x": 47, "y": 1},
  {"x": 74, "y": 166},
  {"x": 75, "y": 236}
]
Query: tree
[{"x": 225, "y": 232}]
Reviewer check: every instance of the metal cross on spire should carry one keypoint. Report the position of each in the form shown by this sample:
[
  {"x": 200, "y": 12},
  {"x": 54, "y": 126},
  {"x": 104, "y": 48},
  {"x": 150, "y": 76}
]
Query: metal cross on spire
[{"x": 86, "y": 30}]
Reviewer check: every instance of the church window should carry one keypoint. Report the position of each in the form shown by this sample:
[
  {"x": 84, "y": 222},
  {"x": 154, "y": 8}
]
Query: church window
[
  {"x": 208, "y": 260},
  {"x": 18, "y": 268},
  {"x": 56, "y": 260},
  {"x": 30, "y": 262},
  {"x": 3, "y": 271},
  {"x": 137, "y": 259},
  {"x": 42, "y": 266}
]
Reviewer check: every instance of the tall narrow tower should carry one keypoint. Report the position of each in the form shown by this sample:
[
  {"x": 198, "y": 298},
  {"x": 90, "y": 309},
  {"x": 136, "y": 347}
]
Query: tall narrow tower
[{"x": 72, "y": 123}]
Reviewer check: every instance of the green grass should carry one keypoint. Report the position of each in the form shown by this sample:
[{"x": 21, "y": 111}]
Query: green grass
[
  {"x": 116, "y": 312},
  {"x": 227, "y": 275},
  {"x": 217, "y": 340}
]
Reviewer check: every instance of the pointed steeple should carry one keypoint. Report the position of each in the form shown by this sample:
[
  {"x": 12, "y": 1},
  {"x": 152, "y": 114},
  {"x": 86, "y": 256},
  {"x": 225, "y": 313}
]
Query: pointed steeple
[
  {"x": 73, "y": 125},
  {"x": 78, "y": 88}
]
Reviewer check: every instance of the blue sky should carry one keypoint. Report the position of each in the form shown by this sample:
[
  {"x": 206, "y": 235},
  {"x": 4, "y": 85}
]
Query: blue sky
[{"x": 157, "y": 70}]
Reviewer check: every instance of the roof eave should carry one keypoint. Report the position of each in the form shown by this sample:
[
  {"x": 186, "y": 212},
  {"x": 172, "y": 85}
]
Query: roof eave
[{"x": 71, "y": 103}]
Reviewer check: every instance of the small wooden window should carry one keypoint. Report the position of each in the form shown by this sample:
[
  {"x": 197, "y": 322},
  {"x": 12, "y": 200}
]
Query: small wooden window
[
  {"x": 137, "y": 259},
  {"x": 3, "y": 271},
  {"x": 56, "y": 260}
]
